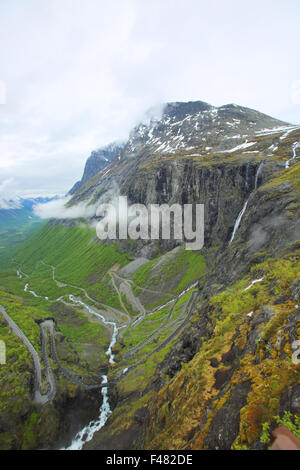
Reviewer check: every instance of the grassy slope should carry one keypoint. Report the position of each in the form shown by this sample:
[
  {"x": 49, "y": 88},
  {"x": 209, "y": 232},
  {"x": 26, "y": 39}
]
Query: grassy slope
[
  {"x": 80, "y": 260},
  {"x": 269, "y": 369},
  {"x": 193, "y": 390},
  {"x": 183, "y": 412},
  {"x": 74, "y": 332},
  {"x": 78, "y": 257},
  {"x": 171, "y": 273},
  {"x": 57, "y": 245},
  {"x": 12, "y": 237}
]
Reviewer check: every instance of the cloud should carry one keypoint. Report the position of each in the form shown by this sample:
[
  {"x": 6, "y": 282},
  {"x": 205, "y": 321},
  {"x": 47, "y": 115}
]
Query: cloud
[
  {"x": 79, "y": 74},
  {"x": 58, "y": 209},
  {"x": 7, "y": 204},
  {"x": 6, "y": 187},
  {"x": 8, "y": 198}
]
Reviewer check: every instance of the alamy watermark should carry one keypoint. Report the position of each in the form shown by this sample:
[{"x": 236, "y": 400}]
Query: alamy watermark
[
  {"x": 2, "y": 352},
  {"x": 152, "y": 222}
]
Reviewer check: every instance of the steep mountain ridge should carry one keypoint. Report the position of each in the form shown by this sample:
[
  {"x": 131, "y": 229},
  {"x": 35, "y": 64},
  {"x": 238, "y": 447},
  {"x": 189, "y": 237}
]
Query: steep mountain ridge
[
  {"x": 203, "y": 357},
  {"x": 98, "y": 161},
  {"x": 185, "y": 126},
  {"x": 243, "y": 153},
  {"x": 234, "y": 359},
  {"x": 193, "y": 130}
]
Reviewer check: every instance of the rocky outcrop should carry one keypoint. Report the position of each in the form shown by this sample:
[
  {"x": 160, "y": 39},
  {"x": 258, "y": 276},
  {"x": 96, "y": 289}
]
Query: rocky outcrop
[
  {"x": 219, "y": 384},
  {"x": 195, "y": 128},
  {"x": 98, "y": 161},
  {"x": 228, "y": 370}
]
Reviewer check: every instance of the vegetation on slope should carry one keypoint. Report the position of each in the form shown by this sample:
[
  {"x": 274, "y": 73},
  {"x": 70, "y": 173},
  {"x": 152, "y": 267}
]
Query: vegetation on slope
[
  {"x": 23, "y": 424},
  {"x": 81, "y": 342},
  {"x": 249, "y": 343}
]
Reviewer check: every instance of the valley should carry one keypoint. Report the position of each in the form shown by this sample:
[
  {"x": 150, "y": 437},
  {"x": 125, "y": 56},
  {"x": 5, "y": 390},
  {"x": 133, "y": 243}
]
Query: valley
[{"x": 134, "y": 344}]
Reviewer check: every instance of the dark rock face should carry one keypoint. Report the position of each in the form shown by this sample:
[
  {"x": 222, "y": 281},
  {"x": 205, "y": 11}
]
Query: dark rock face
[
  {"x": 214, "y": 362},
  {"x": 290, "y": 400},
  {"x": 187, "y": 128},
  {"x": 294, "y": 396},
  {"x": 295, "y": 289},
  {"x": 222, "y": 376},
  {"x": 222, "y": 189},
  {"x": 98, "y": 161},
  {"x": 178, "y": 110},
  {"x": 130, "y": 439},
  {"x": 182, "y": 158},
  {"x": 75, "y": 413},
  {"x": 196, "y": 125},
  {"x": 75, "y": 188},
  {"x": 185, "y": 349},
  {"x": 225, "y": 425},
  {"x": 188, "y": 156}
]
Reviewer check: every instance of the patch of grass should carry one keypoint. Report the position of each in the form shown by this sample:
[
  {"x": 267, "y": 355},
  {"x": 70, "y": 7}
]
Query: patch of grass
[{"x": 172, "y": 272}]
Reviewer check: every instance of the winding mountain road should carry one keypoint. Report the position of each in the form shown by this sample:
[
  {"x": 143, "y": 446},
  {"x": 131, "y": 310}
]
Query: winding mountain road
[
  {"x": 39, "y": 397},
  {"x": 189, "y": 307},
  {"x": 46, "y": 328}
]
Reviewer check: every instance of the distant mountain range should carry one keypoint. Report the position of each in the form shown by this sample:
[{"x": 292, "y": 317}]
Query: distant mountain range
[
  {"x": 18, "y": 221},
  {"x": 15, "y": 212}
]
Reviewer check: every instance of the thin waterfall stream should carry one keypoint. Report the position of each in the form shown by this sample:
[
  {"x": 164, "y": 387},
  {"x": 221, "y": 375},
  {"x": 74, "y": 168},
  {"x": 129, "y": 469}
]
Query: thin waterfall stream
[
  {"x": 271, "y": 149},
  {"x": 240, "y": 216},
  {"x": 294, "y": 154},
  {"x": 86, "y": 434}
]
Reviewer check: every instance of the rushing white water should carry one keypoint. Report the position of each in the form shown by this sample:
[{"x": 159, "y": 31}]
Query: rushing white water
[
  {"x": 34, "y": 293},
  {"x": 87, "y": 433},
  {"x": 238, "y": 221},
  {"x": 257, "y": 174},
  {"x": 294, "y": 154},
  {"x": 26, "y": 289},
  {"x": 240, "y": 216},
  {"x": 106, "y": 322},
  {"x": 271, "y": 150}
]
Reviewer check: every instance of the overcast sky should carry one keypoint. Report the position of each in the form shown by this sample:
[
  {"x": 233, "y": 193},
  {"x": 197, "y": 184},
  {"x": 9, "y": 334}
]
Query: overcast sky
[{"x": 80, "y": 73}]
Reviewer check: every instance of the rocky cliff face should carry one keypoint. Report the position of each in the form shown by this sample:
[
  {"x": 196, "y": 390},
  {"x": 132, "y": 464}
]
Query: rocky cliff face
[
  {"x": 198, "y": 125},
  {"x": 196, "y": 153},
  {"x": 98, "y": 161},
  {"x": 230, "y": 371},
  {"x": 213, "y": 370},
  {"x": 195, "y": 129}
]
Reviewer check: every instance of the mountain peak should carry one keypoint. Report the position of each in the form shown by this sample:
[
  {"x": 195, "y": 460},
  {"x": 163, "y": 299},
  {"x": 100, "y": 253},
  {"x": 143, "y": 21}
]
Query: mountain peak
[
  {"x": 180, "y": 109},
  {"x": 184, "y": 128},
  {"x": 98, "y": 161}
]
